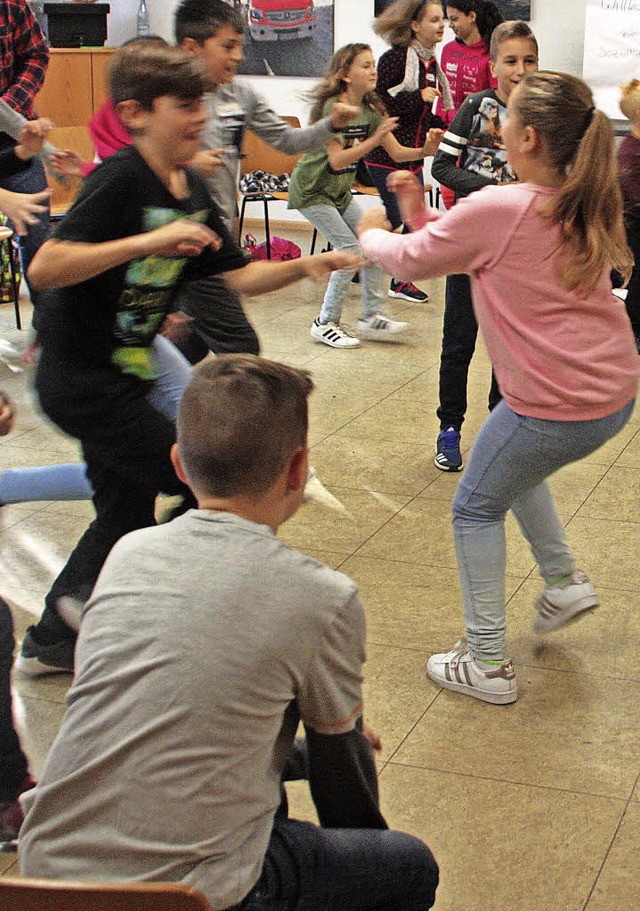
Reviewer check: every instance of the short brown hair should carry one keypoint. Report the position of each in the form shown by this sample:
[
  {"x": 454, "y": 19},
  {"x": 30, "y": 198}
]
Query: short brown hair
[
  {"x": 145, "y": 71},
  {"x": 240, "y": 419},
  {"x": 630, "y": 98},
  {"x": 514, "y": 28}
]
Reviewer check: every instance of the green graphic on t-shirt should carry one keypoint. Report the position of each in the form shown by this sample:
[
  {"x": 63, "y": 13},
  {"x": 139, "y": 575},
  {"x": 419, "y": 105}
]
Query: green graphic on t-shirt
[{"x": 150, "y": 284}]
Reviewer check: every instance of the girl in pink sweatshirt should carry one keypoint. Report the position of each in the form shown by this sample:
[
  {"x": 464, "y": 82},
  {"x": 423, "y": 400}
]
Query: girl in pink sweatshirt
[{"x": 539, "y": 254}]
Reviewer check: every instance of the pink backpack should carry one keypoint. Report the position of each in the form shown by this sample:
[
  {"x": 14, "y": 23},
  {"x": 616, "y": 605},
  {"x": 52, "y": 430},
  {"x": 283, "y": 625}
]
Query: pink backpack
[{"x": 281, "y": 248}]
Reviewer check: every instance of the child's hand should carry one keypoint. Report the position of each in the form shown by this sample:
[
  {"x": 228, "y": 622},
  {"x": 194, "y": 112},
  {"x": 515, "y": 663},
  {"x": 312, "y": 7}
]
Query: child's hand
[
  {"x": 388, "y": 125},
  {"x": 433, "y": 141},
  {"x": 410, "y": 194},
  {"x": 6, "y": 415},
  {"x": 373, "y": 218},
  {"x": 179, "y": 238},
  {"x": 207, "y": 160},
  {"x": 176, "y": 326},
  {"x": 429, "y": 94},
  {"x": 342, "y": 114},
  {"x": 23, "y": 208},
  {"x": 31, "y": 138},
  {"x": 372, "y": 737},
  {"x": 66, "y": 163},
  {"x": 321, "y": 263}
]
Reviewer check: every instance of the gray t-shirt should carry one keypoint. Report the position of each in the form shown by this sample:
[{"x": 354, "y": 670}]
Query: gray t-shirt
[
  {"x": 198, "y": 638},
  {"x": 235, "y": 107}
]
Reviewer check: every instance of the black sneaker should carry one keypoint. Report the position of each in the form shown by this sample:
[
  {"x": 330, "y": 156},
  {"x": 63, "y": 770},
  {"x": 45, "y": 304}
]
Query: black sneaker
[
  {"x": 448, "y": 455},
  {"x": 407, "y": 291},
  {"x": 36, "y": 660}
]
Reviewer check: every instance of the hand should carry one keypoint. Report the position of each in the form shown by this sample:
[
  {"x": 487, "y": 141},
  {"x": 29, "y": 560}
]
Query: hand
[
  {"x": 6, "y": 415},
  {"x": 372, "y": 737},
  {"x": 66, "y": 163},
  {"x": 207, "y": 160},
  {"x": 433, "y": 141},
  {"x": 23, "y": 208},
  {"x": 342, "y": 114},
  {"x": 388, "y": 125},
  {"x": 31, "y": 138},
  {"x": 410, "y": 194},
  {"x": 430, "y": 94},
  {"x": 373, "y": 218},
  {"x": 321, "y": 263},
  {"x": 179, "y": 238},
  {"x": 176, "y": 326}
]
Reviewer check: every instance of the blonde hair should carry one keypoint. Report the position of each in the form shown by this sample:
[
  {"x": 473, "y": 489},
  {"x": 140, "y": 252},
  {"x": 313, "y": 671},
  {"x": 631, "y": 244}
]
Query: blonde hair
[
  {"x": 630, "y": 98},
  {"x": 579, "y": 142},
  {"x": 393, "y": 25},
  {"x": 334, "y": 85},
  {"x": 514, "y": 28}
]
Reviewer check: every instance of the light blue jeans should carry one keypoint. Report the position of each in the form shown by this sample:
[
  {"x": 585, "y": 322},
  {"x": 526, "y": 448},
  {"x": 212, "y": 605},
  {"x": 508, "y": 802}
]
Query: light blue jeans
[
  {"x": 509, "y": 462},
  {"x": 68, "y": 480},
  {"x": 339, "y": 228}
]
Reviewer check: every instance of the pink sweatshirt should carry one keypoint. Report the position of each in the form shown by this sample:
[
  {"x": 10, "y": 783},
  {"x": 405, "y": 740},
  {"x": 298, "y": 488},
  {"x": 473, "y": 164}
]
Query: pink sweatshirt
[
  {"x": 557, "y": 356},
  {"x": 108, "y": 133},
  {"x": 466, "y": 66}
]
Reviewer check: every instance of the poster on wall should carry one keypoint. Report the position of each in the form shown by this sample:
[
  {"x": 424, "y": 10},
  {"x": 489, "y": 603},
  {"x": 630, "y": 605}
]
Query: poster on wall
[
  {"x": 611, "y": 50},
  {"x": 286, "y": 37},
  {"x": 511, "y": 9}
]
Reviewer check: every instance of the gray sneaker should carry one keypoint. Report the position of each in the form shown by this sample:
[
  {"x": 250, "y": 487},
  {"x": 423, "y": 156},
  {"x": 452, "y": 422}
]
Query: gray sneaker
[
  {"x": 457, "y": 670},
  {"x": 36, "y": 660},
  {"x": 563, "y": 603}
]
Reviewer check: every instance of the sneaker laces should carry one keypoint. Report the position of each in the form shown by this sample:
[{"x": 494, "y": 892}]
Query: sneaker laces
[{"x": 459, "y": 650}]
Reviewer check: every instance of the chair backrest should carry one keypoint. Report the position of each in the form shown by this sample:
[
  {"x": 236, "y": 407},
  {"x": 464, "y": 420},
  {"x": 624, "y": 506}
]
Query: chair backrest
[
  {"x": 77, "y": 139},
  {"x": 49, "y": 895},
  {"x": 263, "y": 157}
]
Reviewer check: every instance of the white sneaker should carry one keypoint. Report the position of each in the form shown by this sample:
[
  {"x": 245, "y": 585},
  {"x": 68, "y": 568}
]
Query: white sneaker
[
  {"x": 334, "y": 334},
  {"x": 457, "y": 670},
  {"x": 379, "y": 328},
  {"x": 559, "y": 605}
]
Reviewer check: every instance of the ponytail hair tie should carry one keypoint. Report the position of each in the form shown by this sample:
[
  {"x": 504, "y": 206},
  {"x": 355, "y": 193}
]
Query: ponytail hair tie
[{"x": 589, "y": 117}]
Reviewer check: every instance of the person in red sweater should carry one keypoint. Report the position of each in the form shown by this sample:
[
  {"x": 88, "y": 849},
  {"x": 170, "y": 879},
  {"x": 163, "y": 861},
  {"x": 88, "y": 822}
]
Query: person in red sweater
[{"x": 409, "y": 82}]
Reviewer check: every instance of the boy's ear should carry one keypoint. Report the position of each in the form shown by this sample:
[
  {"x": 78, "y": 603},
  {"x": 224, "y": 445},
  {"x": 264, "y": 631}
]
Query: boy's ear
[
  {"x": 176, "y": 461},
  {"x": 131, "y": 113},
  {"x": 190, "y": 45},
  {"x": 298, "y": 468}
]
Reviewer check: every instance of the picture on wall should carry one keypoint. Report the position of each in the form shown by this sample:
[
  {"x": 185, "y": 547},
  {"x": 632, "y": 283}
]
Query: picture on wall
[
  {"x": 511, "y": 9},
  {"x": 286, "y": 37}
]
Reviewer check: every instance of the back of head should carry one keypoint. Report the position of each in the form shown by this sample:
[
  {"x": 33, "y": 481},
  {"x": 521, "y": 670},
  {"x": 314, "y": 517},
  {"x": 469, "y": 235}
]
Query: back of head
[
  {"x": 144, "y": 71},
  {"x": 202, "y": 19},
  {"x": 241, "y": 417},
  {"x": 487, "y": 16},
  {"x": 578, "y": 142},
  {"x": 504, "y": 31},
  {"x": 630, "y": 98},
  {"x": 393, "y": 25}
]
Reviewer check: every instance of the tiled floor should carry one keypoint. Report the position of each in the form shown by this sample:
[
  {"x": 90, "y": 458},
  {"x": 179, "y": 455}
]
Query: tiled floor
[{"x": 530, "y": 807}]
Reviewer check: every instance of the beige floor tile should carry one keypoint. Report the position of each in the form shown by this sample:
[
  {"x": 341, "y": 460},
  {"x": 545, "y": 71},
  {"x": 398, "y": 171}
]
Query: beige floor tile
[
  {"x": 354, "y": 516},
  {"x": 9, "y": 864},
  {"x": 48, "y": 439},
  {"x": 395, "y": 469},
  {"x": 630, "y": 455},
  {"x": 33, "y": 551},
  {"x": 617, "y": 495},
  {"x": 37, "y": 722},
  {"x": 565, "y": 731},
  {"x": 618, "y": 884},
  {"x": 616, "y": 545},
  {"x": 500, "y": 845}
]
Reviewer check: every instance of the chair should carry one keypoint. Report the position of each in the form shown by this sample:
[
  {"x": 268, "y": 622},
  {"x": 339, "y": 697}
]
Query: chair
[
  {"x": 50, "y": 895},
  {"x": 6, "y": 237},
  {"x": 77, "y": 139},
  {"x": 261, "y": 157}
]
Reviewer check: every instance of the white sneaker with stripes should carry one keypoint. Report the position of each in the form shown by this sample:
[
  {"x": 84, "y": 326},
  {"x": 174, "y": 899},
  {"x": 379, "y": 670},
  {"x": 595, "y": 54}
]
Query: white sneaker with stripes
[
  {"x": 379, "y": 328},
  {"x": 458, "y": 671},
  {"x": 334, "y": 334}
]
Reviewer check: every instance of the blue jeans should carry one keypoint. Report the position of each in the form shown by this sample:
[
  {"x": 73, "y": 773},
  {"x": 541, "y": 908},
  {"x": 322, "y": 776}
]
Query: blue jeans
[
  {"x": 510, "y": 460},
  {"x": 339, "y": 228},
  {"x": 378, "y": 175},
  {"x": 308, "y": 868}
]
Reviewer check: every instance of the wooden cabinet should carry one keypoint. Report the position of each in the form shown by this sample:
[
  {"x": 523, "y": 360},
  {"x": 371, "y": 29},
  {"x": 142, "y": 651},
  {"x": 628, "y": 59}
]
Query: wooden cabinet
[{"x": 75, "y": 85}]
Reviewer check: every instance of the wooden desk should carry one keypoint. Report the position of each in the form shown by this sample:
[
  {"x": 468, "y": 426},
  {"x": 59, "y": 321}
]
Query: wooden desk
[{"x": 75, "y": 85}]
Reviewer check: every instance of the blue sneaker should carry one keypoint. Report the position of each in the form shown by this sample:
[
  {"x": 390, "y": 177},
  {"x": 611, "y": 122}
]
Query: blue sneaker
[{"x": 448, "y": 455}]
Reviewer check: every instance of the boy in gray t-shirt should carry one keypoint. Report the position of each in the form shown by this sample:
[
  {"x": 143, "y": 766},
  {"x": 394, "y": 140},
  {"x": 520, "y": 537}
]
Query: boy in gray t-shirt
[{"x": 204, "y": 644}]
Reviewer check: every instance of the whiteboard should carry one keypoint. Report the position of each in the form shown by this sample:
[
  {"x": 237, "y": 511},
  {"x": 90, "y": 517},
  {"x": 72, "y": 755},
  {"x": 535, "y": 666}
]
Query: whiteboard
[{"x": 611, "y": 50}]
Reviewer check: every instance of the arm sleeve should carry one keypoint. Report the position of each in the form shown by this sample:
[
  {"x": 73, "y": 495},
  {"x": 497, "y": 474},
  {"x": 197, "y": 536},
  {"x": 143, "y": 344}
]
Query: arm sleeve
[
  {"x": 31, "y": 58},
  {"x": 447, "y": 167},
  {"x": 282, "y": 136},
  {"x": 464, "y": 239}
]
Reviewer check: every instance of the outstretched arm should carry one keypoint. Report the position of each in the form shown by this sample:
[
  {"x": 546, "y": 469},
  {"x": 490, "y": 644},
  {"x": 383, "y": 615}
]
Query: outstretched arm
[{"x": 259, "y": 277}]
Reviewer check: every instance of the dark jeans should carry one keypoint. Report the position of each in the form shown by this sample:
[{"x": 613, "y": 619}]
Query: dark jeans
[
  {"x": 459, "y": 334},
  {"x": 218, "y": 317},
  {"x": 31, "y": 180},
  {"x": 379, "y": 176},
  {"x": 633, "y": 288},
  {"x": 126, "y": 445},
  {"x": 308, "y": 868},
  {"x": 13, "y": 762}
]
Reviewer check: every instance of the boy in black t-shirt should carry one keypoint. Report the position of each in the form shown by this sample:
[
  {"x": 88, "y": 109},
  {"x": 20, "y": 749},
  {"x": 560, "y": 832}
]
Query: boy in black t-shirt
[{"x": 142, "y": 224}]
